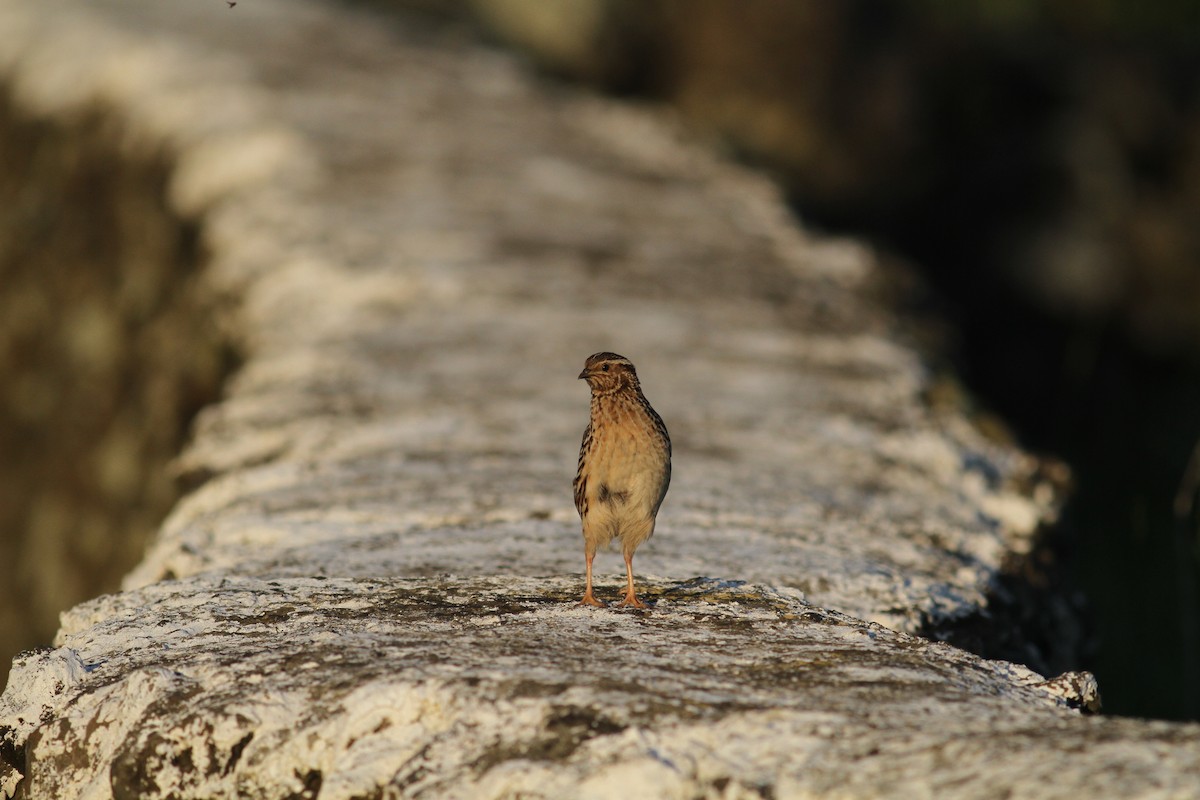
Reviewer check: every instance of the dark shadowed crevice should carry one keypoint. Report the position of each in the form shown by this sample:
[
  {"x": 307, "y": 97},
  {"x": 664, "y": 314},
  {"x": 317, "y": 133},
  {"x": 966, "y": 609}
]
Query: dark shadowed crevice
[
  {"x": 109, "y": 344},
  {"x": 1033, "y": 616}
]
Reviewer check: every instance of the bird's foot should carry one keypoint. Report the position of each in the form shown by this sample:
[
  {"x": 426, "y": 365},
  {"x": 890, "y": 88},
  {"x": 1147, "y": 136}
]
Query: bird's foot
[
  {"x": 590, "y": 600},
  {"x": 632, "y": 601}
]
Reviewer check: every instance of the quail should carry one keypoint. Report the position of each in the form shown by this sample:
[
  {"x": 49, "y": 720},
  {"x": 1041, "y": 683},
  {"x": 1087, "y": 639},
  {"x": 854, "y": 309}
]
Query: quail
[{"x": 624, "y": 466}]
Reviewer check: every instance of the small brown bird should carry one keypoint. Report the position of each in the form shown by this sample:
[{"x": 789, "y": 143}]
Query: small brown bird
[{"x": 624, "y": 466}]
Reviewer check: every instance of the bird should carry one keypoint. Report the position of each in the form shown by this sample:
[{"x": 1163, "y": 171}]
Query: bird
[{"x": 624, "y": 467}]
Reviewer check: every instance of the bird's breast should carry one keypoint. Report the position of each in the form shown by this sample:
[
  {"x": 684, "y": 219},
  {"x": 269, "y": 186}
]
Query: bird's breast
[{"x": 627, "y": 470}]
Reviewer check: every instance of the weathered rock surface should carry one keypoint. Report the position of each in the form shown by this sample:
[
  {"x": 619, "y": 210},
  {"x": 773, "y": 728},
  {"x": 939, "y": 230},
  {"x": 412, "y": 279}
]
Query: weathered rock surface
[
  {"x": 502, "y": 687},
  {"x": 370, "y": 591}
]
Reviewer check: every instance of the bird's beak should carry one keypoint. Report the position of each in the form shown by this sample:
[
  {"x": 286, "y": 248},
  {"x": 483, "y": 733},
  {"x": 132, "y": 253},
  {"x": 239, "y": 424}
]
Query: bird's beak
[{"x": 583, "y": 375}]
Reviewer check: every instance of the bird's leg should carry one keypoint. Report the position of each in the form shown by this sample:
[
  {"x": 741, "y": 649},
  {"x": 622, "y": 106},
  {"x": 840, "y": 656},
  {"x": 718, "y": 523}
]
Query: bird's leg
[
  {"x": 630, "y": 598},
  {"x": 589, "y": 599}
]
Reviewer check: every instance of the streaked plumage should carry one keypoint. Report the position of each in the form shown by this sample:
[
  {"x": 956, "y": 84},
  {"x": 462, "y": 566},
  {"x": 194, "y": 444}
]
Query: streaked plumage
[{"x": 624, "y": 466}]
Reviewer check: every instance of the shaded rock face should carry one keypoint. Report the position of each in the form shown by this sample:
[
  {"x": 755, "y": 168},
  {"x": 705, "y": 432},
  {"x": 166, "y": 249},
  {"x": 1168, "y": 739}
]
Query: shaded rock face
[
  {"x": 108, "y": 346},
  {"x": 370, "y": 591}
]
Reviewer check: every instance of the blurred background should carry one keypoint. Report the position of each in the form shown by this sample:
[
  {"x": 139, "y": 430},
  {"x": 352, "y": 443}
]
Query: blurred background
[{"x": 1036, "y": 163}]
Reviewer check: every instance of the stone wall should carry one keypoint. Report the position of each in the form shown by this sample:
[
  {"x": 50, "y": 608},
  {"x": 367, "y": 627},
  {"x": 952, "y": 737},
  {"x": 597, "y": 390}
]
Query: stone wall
[{"x": 370, "y": 590}]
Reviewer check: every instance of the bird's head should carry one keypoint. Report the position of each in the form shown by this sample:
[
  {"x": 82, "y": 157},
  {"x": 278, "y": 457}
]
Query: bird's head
[{"x": 608, "y": 372}]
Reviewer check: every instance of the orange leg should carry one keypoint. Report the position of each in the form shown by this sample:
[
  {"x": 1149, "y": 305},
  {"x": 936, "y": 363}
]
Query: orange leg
[
  {"x": 589, "y": 599},
  {"x": 630, "y": 598}
]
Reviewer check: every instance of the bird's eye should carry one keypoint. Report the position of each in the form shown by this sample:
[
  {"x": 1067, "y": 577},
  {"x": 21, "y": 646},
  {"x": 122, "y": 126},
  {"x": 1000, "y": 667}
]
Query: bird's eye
[{"x": 605, "y": 368}]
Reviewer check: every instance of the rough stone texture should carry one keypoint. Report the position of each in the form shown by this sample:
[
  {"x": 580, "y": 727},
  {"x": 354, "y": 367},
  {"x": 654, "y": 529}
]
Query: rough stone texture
[
  {"x": 370, "y": 591},
  {"x": 489, "y": 687}
]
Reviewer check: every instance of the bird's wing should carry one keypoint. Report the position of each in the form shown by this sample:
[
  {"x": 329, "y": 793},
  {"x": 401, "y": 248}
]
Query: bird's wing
[
  {"x": 581, "y": 479},
  {"x": 666, "y": 483}
]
